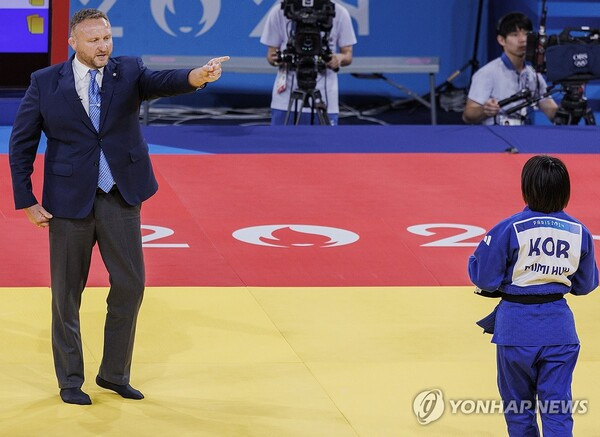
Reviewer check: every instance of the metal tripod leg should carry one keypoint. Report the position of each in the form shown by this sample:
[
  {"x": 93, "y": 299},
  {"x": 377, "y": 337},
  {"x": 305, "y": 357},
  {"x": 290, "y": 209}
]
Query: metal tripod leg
[
  {"x": 321, "y": 109},
  {"x": 295, "y": 97},
  {"x": 590, "y": 119},
  {"x": 312, "y": 97}
]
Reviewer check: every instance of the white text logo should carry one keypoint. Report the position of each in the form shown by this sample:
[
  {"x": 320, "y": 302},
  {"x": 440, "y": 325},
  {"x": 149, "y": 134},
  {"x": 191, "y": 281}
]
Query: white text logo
[
  {"x": 580, "y": 60},
  {"x": 295, "y": 236},
  {"x": 210, "y": 14},
  {"x": 428, "y": 406}
]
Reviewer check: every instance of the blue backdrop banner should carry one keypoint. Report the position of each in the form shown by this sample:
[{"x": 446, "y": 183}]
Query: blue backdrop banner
[
  {"x": 442, "y": 28},
  {"x": 439, "y": 28}
]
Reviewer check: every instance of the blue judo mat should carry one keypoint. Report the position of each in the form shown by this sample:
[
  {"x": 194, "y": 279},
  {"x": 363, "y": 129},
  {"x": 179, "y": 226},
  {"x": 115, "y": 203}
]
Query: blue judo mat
[{"x": 362, "y": 139}]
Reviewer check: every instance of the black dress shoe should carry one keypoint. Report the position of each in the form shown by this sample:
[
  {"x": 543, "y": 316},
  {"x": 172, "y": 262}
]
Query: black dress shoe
[
  {"x": 75, "y": 396},
  {"x": 126, "y": 391}
]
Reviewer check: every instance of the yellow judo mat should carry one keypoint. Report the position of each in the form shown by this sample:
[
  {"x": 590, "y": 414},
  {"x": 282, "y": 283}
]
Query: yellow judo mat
[{"x": 278, "y": 362}]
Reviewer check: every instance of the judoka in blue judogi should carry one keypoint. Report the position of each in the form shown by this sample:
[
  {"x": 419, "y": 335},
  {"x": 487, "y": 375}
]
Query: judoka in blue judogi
[{"x": 531, "y": 260}]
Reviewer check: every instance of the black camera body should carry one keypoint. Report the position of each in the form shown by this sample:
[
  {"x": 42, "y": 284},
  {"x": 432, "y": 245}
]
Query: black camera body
[
  {"x": 571, "y": 59},
  {"x": 572, "y": 55},
  {"x": 308, "y": 48}
]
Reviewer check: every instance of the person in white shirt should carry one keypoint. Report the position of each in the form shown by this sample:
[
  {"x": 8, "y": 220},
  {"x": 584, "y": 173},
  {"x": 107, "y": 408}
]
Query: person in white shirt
[
  {"x": 504, "y": 77},
  {"x": 275, "y": 35}
]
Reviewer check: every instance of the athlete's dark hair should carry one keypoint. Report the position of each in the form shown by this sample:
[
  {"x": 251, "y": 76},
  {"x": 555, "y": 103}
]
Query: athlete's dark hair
[
  {"x": 545, "y": 184},
  {"x": 85, "y": 14},
  {"x": 513, "y": 22}
]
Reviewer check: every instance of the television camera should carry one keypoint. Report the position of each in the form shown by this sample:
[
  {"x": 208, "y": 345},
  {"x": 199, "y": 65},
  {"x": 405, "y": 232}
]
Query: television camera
[
  {"x": 307, "y": 51},
  {"x": 569, "y": 59}
]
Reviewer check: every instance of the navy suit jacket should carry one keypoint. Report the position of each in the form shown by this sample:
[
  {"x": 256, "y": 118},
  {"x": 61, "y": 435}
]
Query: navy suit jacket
[{"x": 51, "y": 105}]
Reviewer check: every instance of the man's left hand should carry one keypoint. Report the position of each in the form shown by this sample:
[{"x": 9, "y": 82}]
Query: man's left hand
[{"x": 335, "y": 62}]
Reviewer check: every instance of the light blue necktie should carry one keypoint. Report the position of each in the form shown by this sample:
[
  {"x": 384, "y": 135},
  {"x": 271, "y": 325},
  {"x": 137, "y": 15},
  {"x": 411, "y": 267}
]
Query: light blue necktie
[{"x": 105, "y": 177}]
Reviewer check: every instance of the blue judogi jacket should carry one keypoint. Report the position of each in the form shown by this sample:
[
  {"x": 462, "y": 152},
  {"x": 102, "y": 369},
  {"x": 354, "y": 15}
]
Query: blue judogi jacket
[{"x": 533, "y": 253}]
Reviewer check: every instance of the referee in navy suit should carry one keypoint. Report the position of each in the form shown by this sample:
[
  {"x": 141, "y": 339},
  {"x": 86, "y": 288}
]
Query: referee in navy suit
[{"x": 97, "y": 173}]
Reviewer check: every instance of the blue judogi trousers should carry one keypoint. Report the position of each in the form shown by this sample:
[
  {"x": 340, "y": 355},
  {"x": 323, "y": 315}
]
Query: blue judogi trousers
[{"x": 525, "y": 372}]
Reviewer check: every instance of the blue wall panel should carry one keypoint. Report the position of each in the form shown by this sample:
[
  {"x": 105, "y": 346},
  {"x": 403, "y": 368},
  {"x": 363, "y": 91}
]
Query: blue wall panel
[{"x": 443, "y": 28}]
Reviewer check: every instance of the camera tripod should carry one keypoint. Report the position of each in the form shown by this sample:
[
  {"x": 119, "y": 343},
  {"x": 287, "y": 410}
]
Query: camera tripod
[
  {"x": 573, "y": 106},
  {"x": 304, "y": 98}
]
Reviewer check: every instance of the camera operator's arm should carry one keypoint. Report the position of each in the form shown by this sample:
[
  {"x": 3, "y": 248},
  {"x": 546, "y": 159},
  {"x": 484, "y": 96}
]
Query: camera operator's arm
[
  {"x": 475, "y": 113},
  {"x": 549, "y": 107},
  {"x": 341, "y": 59},
  {"x": 273, "y": 56}
]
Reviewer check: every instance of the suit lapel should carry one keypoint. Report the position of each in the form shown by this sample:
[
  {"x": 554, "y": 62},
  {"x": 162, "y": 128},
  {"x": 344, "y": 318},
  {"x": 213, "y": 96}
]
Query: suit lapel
[
  {"x": 66, "y": 83},
  {"x": 111, "y": 76}
]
